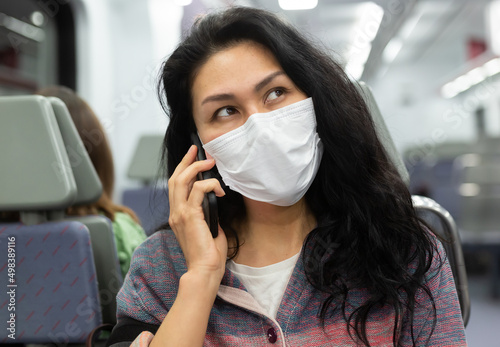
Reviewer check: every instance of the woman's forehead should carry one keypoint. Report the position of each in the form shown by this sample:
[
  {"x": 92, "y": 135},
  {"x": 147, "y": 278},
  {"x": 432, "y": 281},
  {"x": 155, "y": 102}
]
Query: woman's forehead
[{"x": 237, "y": 65}]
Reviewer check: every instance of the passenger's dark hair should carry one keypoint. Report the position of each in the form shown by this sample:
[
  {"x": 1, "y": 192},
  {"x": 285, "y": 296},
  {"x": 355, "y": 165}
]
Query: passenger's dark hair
[{"x": 368, "y": 235}]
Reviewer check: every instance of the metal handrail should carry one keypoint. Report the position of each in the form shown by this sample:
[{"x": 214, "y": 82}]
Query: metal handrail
[{"x": 453, "y": 249}]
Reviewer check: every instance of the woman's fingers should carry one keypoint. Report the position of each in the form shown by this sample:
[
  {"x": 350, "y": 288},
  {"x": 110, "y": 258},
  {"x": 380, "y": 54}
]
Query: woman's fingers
[
  {"x": 181, "y": 181},
  {"x": 186, "y": 193},
  {"x": 185, "y": 162},
  {"x": 200, "y": 188}
]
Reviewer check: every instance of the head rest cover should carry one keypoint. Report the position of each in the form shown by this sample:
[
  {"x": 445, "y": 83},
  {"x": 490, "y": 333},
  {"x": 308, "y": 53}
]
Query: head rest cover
[
  {"x": 89, "y": 187},
  {"x": 35, "y": 173},
  {"x": 144, "y": 164}
]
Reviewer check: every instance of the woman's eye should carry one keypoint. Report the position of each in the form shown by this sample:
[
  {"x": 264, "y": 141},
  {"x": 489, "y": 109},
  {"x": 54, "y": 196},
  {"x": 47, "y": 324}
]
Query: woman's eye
[
  {"x": 225, "y": 112},
  {"x": 275, "y": 94}
]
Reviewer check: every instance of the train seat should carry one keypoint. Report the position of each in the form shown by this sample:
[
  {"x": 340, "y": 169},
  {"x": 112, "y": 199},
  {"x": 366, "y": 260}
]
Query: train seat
[
  {"x": 53, "y": 293},
  {"x": 151, "y": 205},
  {"x": 149, "y": 202},
  {"x": 89, "y": 189}
]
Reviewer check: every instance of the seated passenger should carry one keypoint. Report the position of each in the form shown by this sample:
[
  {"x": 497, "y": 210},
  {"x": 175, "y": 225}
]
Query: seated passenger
[
  {"x": 126, "y": 226},
  {"x": 318, "y": 242}
]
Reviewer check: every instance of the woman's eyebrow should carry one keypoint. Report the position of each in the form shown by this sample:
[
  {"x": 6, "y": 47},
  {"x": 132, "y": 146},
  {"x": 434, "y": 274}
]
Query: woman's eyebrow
[
  {"x": 218, "y": 97},
  {"x": 258, "y": 87},
  {"x": 268, "y": 80}
]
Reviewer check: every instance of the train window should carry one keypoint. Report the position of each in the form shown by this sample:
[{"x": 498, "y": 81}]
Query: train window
[{"x": 37, "y": 45}]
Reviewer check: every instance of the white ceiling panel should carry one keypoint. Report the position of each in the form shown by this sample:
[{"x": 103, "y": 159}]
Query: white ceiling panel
[{"x": 431, "y": 31}]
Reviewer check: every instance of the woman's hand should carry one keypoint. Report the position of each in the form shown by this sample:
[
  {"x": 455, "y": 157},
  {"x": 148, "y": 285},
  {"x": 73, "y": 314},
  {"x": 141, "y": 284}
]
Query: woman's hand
[
  {"x": 187, "y": 320},
  {"x": 205, "y": 256}
]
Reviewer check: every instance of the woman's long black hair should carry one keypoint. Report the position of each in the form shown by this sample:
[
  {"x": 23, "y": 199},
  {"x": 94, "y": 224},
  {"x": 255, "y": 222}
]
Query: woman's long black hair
[{"x": 368, "y": 235}]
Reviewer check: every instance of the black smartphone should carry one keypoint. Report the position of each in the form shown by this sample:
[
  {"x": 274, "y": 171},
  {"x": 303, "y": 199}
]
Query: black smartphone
[{"x": 209, "y": 204}]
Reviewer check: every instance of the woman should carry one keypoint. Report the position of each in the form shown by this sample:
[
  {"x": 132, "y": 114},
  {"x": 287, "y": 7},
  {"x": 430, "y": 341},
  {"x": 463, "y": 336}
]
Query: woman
[
  {"x": 126, "y": 226},
  {"x": 323, "y": 243}
]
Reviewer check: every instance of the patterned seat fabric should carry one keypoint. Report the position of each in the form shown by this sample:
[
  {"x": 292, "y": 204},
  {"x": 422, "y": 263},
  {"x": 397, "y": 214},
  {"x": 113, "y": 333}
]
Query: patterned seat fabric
[
  {"x": 150, "y": 204},
  {"x": 52, "y": 289}
]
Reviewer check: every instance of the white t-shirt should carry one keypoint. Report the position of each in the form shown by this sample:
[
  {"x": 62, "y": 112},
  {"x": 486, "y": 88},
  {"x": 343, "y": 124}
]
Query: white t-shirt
[{"x": 266, "y": 284}]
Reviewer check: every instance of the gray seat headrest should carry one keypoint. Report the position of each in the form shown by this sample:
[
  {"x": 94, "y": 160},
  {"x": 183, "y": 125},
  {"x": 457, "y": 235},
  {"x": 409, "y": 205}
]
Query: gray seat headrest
[
  {"x": 89, "y": 187},
  {"x": 44, "y": 165},
  {"x": 145, "y": 161},
  {"x": 383, "y": 133},
  {"x": 35, "y": 172}
]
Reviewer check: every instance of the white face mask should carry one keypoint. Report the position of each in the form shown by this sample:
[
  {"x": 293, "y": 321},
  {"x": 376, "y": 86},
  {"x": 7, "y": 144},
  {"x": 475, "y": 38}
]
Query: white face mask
[{"x": 273, "y": 157}]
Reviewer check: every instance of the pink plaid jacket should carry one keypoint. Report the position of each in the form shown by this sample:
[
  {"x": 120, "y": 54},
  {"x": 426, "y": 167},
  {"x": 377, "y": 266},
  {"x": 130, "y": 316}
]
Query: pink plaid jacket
[{"x": 237, "y": 319}]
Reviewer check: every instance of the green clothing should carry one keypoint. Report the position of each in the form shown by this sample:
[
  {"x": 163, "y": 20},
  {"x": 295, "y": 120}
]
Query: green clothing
[{"x": 128, "y": 235}]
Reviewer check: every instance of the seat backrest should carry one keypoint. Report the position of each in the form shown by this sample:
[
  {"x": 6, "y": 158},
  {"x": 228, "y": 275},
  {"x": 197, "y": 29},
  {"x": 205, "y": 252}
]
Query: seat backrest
[
  {"x": 88, "y": 184},
  {"x": 427, "y": 208},
  {"x": 52, "y": 294},
  {"x": 89, "y": 189},
  {"x": 145, "y": 160},
  {"x": 56, "y": 299},
  {"x": 35, "y": 170},
  {"x": 149, "y": 202},
  {"x": 33, "y": 120},
  {"x": 109, "y": 276},
  {"x": 383, "y": 132}
]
